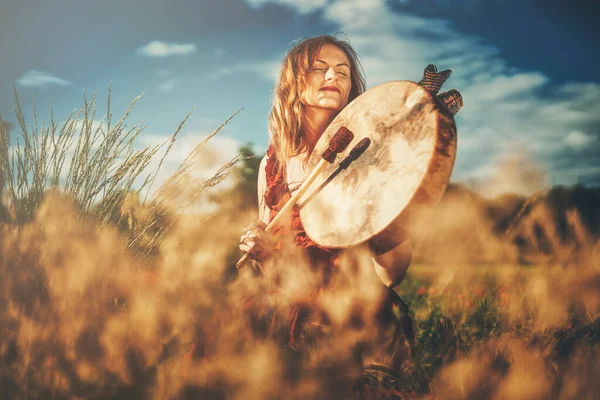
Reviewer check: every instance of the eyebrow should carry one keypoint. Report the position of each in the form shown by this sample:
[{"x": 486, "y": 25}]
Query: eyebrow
[{"x": 321, "y": 61}]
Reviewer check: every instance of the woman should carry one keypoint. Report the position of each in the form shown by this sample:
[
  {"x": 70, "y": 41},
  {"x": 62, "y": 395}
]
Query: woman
[{"x": 319, "y": 77}]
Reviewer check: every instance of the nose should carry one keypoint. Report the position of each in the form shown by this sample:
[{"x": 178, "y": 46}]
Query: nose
[{"x": 330, "y": 73}]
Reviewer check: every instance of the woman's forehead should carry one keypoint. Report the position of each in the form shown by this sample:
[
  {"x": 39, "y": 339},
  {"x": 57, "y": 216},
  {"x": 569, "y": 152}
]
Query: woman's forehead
[{"x": 332, "y": 54}]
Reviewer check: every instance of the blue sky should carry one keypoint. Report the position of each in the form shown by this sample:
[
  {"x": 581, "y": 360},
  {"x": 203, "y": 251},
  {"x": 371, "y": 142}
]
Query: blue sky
[{"x": 526, "y": 70}]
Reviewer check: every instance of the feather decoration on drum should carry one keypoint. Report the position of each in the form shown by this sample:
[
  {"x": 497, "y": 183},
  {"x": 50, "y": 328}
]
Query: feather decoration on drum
[
  {"x": 452, "y": 99},
  {"x": 433, "y": 80}
]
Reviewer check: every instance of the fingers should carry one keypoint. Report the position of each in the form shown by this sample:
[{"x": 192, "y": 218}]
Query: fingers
[
  {"x": 256, "y": 226},
  {"x": 257, "y": 231},
  {"x": 245, "y": 246},
  {"x": 249, "y": 245},
  {"x": 247, "y": 241},
  {"x": 255, "y": 251},
  {"x": 256, "y": 241},
  {"x": 253, "y": 230}
]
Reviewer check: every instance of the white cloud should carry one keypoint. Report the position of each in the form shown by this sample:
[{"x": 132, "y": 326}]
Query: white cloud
[
  {"x": 302, "y": 6},
  {"x": 40, "y": 79},
  {"x": 499, "y": 87},
  {"x": 163, "y": 73},
  {"x": 218, "y": 52},
  {"x": 217, "y": 152},
  {"x": 267, "y": 70},
  {"x": 167, "y": 83},
  {"x": 167, "y": 86},
  {"x": 513, "y": 172},
  {"x": 166, "y": 49},
  {"x": 578, "y": 140},
  {"x": 96, "y": 124}
]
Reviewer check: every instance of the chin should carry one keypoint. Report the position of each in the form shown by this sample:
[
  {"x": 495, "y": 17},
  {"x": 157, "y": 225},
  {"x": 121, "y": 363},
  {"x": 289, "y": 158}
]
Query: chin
[{"x": 333, "y": 106}]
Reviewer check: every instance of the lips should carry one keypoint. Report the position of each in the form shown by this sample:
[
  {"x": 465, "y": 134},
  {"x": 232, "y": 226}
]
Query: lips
[{"x": 330, "y": 89}]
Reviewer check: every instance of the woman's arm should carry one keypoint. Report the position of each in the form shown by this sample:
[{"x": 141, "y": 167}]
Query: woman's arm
[
  {"x": 263, "y": 209},
  {"x": 254, "y": 240},
  {"x": 391, "y": 266}
]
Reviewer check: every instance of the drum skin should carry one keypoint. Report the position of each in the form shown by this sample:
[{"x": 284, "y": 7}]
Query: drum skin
[{"x": 381, "y": 197}]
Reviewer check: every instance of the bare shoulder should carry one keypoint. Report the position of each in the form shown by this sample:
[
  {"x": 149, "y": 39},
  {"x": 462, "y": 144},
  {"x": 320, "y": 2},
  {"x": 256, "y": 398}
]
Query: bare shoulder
[
  {"x": 262, "y": 175},
  {"x": 262, "y": 166},
  {"x": 263, "y": 212}
]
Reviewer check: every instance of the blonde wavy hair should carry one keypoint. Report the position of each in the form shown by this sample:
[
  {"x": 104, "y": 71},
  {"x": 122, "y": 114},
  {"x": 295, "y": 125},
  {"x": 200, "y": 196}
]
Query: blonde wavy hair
[{"x": 285, "y": 120}]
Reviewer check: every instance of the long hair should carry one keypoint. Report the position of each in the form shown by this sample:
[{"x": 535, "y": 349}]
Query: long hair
[{"x": 285, "y": 121}]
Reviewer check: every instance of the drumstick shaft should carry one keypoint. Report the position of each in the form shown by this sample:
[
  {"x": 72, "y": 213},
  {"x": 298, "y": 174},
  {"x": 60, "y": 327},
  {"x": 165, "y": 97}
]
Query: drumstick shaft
[
  {"x": 294, "y": 199},
  {"x": 290, "y": 203},
  {"x": 337, "y": 144}
]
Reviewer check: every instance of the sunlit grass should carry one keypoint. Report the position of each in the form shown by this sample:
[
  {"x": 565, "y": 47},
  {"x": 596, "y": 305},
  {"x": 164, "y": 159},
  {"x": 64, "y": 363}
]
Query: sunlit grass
[
  {"x": 481, "y": 329},
  {"x": 462, "y": 317},
  {"x": 99, "y": 167}
]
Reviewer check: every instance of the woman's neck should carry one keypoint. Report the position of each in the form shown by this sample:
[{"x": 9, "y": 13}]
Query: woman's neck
[{"x": 314, "y": 122}]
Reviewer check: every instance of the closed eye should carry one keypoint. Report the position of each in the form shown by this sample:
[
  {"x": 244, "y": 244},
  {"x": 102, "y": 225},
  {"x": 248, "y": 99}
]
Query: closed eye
[{"x": 340, "y": 71}]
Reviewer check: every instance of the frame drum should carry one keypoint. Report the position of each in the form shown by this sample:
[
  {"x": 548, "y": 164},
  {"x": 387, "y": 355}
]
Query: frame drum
[{"x": 402, "y": 174}]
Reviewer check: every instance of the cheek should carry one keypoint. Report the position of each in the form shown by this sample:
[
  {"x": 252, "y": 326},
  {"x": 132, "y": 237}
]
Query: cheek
[
  {"x": 348, "y": 88},
  {"x": 306, "y": 95},
  {"x": 310, "y": 89}
]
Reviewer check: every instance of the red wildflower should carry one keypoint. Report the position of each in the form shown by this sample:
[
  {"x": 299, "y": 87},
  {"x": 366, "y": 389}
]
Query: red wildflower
[
  {"x": 569, "y": 325},
  {"x": 421, "y": 290}
]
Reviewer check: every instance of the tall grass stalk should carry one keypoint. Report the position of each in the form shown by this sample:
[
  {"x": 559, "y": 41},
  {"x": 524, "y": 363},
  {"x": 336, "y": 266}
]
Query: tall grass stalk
[
  {"x": 101, "y": 164},
  {"x": 177, "y": 194},
  {"x": 95, "y": 165}
]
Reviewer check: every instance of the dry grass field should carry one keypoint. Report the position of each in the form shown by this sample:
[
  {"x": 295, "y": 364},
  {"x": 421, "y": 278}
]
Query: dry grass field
[{"x": 114, "y": 298}]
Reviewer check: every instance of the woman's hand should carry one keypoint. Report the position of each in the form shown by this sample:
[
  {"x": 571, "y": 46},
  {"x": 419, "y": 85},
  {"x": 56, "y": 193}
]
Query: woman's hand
[{"x": 258, "y": 243}]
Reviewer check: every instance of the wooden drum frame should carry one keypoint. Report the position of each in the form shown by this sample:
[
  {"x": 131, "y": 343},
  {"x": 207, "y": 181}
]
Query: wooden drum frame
[{"x": 380, "y": 197}]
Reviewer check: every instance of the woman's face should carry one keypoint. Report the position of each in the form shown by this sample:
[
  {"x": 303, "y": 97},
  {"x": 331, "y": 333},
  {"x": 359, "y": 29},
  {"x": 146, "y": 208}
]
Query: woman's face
[{"x": 328, "y": 82}]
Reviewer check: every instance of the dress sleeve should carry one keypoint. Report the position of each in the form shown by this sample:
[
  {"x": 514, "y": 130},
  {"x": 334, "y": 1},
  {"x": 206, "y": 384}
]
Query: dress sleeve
[{"x": 263, "y": 209}]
